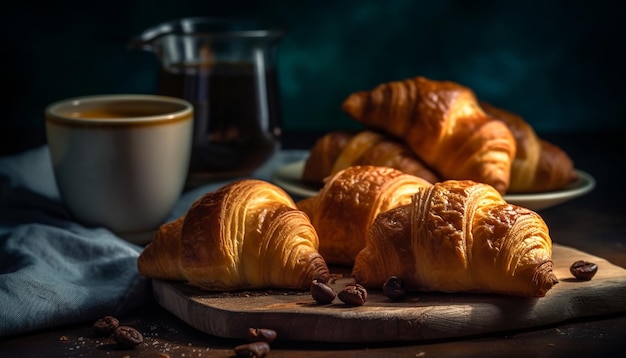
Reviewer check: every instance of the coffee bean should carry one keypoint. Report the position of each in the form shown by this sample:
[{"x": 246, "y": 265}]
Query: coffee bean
[
  {"x": 394, "y": 288},
  {"x": 354, "y": 295},
  {"x": 127, "y": 337},
  {"x": 321, "y": 292},
  {"x": 583, "y": 270},
  {"x": 255, "y": 349},
  {"x": 106, "y": 326},
  {"x": 261, "y": 335}
]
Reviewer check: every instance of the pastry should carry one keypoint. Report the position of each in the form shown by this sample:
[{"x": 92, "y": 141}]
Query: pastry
[
  {"x": 248, "y": 234},
  {"x": 343, "y": 210},
  {"x": 539, "y": 166},
  {"x": 339, "y": 150},
  {"x": 443, "y": 124},
  {"x": 459, "y": 236}
]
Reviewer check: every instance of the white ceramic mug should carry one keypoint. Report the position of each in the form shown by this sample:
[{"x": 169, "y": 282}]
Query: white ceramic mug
[{"x": 121, "y": 160}]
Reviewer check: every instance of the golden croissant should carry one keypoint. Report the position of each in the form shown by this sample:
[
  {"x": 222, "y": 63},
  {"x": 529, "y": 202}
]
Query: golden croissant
[
  {"x": 459, "y": 236},
  {"x": 339, "y": 150},
  {"x": 246, "y": 235},
  {"x": 343, "y": 210},
  {"x": 443, "y": 124},
  {"x": 538, "y": 166}
]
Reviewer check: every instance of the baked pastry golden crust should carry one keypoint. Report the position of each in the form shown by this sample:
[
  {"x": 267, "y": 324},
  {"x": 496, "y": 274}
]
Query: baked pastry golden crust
[
  {"x": 322, "y": 156},
  {"x": 339, "y": 150},
  {"x": 246, "y": 235},
  {"x": 538, "y": 166},
  {"x": 443, "y": 124},
  {"x": 459, "y": 236},
  {"x": 343, "y": 210}
]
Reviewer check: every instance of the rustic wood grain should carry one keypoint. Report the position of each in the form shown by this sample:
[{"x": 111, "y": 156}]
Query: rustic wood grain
[{"x": 296, "y": 317}]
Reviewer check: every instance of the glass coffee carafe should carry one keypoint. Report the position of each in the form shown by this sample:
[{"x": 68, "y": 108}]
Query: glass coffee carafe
[{"x": 227, "y": 69}]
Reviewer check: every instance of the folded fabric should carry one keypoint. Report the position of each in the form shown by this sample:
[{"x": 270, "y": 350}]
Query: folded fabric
[{"x": 54, "y": 271}]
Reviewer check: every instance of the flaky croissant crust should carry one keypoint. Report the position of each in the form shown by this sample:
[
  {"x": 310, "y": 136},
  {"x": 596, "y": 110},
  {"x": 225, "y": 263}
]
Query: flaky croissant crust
[
  {"x": 443, "y": 124},
  {"x": 538, "y": 166},
  {"x": 459, "y": 236},
  {"x": 343, "y": 210},
  {"x": 247, "y": 234},
  {"x": 339, "y": 150}
]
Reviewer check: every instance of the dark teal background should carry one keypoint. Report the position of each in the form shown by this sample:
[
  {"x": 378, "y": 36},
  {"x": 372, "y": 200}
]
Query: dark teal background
[{"x": 560, "y": 64}]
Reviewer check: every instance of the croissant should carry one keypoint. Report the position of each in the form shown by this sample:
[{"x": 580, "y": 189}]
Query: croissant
[
  {"x": 443, "y": 124},
  {"x": 338, "y": 150},
  {"x": 248, "y": 234},
  {"x": 538, "y": 166},
  {"x": 459, "y": 236},
  {"x": 343, "y": 210},
  {"x": 322, "y": 156}
]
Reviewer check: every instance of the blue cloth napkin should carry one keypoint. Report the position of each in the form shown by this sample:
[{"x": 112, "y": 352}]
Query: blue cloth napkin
[{"x": 54, "y": 271}]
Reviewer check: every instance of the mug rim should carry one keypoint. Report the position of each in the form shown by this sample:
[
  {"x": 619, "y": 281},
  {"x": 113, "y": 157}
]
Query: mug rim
[{"x": 54, "y": 111}]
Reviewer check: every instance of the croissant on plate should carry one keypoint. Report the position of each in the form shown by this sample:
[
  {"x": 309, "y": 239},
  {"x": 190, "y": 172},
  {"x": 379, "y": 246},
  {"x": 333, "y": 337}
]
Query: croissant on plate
[
  {"x": 339, "y": 150},
  {"x": 459, "y": 236},
  {"x": 443, "y": 124},
  {"x": 343, "y": 210},
  {"x": 538, "y": 166},
  {"x": 247, "y": 234}
]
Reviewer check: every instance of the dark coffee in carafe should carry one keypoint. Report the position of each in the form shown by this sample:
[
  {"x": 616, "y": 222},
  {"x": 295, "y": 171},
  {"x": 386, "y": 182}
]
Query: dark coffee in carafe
[
  {"x": 227, "y": 69},
  {"x": 237, "y": 115}
]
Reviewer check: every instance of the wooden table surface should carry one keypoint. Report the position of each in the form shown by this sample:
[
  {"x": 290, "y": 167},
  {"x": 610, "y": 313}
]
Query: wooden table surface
[{"x": 594, "y": 223}]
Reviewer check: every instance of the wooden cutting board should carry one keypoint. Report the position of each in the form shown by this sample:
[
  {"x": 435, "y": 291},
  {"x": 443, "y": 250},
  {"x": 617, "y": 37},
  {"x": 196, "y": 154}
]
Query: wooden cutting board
[{"x": 294, "y": 315}]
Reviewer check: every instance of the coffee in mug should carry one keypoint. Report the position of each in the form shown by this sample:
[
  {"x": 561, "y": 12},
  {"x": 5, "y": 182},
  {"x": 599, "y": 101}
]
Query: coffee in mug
[{"x": 120, "y": 161}]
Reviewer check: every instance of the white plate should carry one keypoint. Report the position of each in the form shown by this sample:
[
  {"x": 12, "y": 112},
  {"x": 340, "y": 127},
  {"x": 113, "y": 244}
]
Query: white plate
[{"x": 288, "y": 178}]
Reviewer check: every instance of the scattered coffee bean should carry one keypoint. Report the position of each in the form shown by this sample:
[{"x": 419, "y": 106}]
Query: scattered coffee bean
[
  {"x": 354, "y": 295},
  {"x": 583, "y": 270},
  {"x": 127, "y": 337},
  {"x": 261, "y": 335},
  {"x": 254, "y": 349},
  {"x": 394, "y": 288},
  {"x": 322, "y": 279},
  {"x": 106, "y": 326},
  {"x": 321, "y": 292}
]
